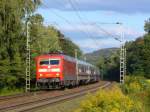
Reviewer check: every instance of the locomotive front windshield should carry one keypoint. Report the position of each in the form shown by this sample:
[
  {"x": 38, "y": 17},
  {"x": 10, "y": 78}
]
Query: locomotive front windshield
[
  {"x": 49, "y": 62},
  {"x": 54, "y": 62},
  {"x": 44, "y": 62}
]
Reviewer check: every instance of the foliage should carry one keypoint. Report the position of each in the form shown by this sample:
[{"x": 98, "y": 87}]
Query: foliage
[
  {"x": 138, "y": 89},
  {"x": 138, "y": 51},
  {"x": 147, "y": 26},
  {"x": 109, "y": 66},
  {"x": 68, "y": 47},
  {"x": 138, "y": 56},
  {"x": 115, "y": 101},
  {"x": 93, "y": 57},
  {"x": 135, "y": 85},
  {"x": 12, "y": 40},
  {"x": 43, "y": 39},
  {"x": 134, "y": 96}
]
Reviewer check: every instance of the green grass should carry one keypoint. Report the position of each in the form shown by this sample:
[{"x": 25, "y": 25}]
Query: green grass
[{"x": 7, "y": 91}]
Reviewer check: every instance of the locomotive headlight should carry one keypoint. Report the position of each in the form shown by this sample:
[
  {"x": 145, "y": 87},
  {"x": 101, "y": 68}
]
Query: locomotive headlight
[
  {"x": 42, "y": 70},
  {"x": 57, "y": 74},
  {"x": 41, "y": 75},
  {"x": 55, "y": 70}
]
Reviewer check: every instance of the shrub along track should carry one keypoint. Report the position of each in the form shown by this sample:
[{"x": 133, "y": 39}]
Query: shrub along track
[{"x": 36, "y": 101}]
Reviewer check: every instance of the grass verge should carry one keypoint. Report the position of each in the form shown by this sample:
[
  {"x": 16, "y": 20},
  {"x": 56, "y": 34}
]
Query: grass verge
[{"x": 8, "y": 91}]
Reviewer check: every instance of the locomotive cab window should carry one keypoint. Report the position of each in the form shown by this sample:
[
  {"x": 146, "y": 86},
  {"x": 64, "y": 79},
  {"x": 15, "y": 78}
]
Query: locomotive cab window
[
  {"x": 49, "y": 62},
  {"x": 54, "y": 62},
  {"x": 44, "y": 62}
]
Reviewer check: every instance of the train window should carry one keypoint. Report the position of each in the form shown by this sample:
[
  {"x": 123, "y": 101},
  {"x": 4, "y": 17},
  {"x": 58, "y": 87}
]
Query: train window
[
  {"x": 80, "y": 70},
  {"x": 54, "y": 62},
  {"x": 44, "y": 62},
  {"x": 88, "y": 71}
]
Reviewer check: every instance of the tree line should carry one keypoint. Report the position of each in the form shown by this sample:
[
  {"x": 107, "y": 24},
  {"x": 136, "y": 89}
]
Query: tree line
[
  {"x": 43, "y": 39},
  {"x": 138, "y": 54}
]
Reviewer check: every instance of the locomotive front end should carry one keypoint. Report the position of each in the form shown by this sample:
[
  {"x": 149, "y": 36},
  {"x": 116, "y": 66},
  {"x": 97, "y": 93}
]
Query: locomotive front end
[{"x": 48, "y": 71}]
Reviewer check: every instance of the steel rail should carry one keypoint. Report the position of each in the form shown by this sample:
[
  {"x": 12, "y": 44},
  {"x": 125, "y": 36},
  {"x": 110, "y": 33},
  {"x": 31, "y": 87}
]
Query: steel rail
[
  {"x": 65, "y": 98},
  {"x": 29, "y": 106}
]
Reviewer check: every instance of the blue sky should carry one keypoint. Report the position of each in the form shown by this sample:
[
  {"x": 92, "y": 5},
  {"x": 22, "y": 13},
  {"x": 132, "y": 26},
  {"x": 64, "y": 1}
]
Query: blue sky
[{"x": 81, "y": 20}]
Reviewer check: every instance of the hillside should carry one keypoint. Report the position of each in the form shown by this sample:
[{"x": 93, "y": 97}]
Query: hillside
[{"x": 94, "y": 56}]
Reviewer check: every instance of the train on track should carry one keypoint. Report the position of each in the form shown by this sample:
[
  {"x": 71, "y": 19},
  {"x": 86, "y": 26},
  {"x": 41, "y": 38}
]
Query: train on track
[{"x": 55, "y": 70}]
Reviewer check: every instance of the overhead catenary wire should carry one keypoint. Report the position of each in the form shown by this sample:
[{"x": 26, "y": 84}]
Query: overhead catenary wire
[
  {"x": 66, "y": 20},
  {"x": 96, "y": 24},
  {"x": 108, "y": 33},
  {"x": 83, "y": 23},
  {"x": 81, "y": 20},
  {"x": 122, "y": 53}
]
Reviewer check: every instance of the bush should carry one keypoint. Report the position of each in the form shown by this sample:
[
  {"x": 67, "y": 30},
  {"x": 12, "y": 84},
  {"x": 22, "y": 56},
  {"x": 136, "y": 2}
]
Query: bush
[
  {"x": 138, "y": 89},
  {"x": 109, "y": 101},
  {"x": 135, "y": 85}
]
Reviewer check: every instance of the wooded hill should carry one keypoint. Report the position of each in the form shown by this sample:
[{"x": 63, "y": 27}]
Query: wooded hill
[{"x": 94, "y": 56}]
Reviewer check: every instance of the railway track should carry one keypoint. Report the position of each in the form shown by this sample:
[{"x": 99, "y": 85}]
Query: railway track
[{"x": 33, "y": 105}]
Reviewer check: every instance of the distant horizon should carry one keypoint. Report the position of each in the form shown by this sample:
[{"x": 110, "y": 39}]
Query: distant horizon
[{"x": 102, "y": 49}]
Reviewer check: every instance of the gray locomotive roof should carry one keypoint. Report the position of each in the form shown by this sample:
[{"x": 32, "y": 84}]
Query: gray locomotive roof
[{"x": 69, "y": 58}]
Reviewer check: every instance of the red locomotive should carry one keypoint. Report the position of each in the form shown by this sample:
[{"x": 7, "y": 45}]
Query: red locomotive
[{"x": 59, "y": 70}]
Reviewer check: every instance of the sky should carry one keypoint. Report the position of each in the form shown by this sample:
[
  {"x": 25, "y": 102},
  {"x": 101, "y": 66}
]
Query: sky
[{"x": 91, "y": 24}]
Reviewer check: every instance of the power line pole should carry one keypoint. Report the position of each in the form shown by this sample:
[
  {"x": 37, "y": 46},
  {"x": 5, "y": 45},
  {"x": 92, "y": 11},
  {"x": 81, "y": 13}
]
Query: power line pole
[
  {"x": 122, "y": 58},
  {"x": 28, "y": 57},
  {"x": 76, "y": 57},
  {"x": 122, "y": 50},
  {"x": 125, "y": 61}
]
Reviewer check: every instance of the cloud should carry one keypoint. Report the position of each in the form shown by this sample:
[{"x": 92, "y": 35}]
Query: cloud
[
  {"x": 97, "y": 31},
  {"x": 89, "y": 45},
  {"x": 100, "y": 43},
  {"x": 122, "y": 6},
  {"x": 97, "y": 39}
]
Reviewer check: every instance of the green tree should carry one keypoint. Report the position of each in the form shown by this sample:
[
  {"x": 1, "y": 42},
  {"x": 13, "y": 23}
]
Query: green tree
[
  {"x": 68, "y": 47},
  {"x": 138, "y": 54},
  {"x": 146, "y": 51},
  {"x": 43, "y": 39},
  {"x": 135, "y": 57},
  {"x": 147, "y": 26},
  {"x": 146, "y": 55},
  {"x": 12, "y": 39},
  {"x": 109, "y": 67}
]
